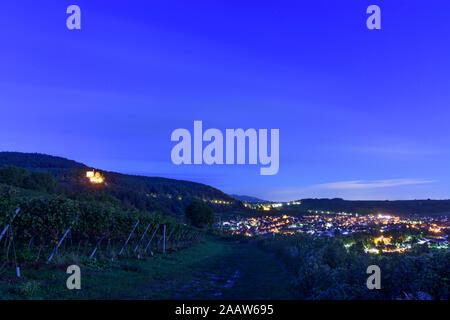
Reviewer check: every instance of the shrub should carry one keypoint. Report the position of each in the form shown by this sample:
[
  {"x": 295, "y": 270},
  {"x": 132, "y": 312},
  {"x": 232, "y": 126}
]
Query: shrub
[{"x": 199, "y": 214}]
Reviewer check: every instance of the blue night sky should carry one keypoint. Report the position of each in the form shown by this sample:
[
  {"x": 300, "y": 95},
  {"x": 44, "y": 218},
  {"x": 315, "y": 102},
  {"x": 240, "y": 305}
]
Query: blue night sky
[{"x": 363, "y": 114}]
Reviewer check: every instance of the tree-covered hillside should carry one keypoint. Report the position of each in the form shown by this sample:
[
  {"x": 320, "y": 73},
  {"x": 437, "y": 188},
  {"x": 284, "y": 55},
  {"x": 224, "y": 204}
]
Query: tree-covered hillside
[
  {"x": 143, "y": 193},
  {"x": 37, "y": 160}
]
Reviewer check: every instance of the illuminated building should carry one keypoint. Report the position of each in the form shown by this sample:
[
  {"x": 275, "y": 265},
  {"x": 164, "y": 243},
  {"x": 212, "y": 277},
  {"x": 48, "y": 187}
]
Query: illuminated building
[{"x": 95, "y": 177}]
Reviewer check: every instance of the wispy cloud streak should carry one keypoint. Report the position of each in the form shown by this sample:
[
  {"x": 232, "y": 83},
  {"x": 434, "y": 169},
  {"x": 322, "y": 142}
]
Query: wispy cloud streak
[{"x": 364, "y": 184}]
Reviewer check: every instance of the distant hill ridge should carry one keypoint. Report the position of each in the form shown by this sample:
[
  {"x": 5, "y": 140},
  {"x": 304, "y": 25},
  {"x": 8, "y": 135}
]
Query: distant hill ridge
[
  {"x": 396, "y": 207},
  {"x": 37, "y": 160},
  {"x": 145, "y": 193},
  {"x": 249, "y": 198}
]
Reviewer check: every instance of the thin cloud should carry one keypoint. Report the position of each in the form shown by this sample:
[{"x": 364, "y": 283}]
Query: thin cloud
[
  {"x": 364, "y": 184},
  {"x": 406, "y": 150}
]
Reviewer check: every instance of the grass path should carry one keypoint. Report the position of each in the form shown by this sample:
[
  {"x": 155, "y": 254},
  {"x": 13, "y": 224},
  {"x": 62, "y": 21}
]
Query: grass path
[
  {"x": 215, "y": 269},
  {"x": 228, "y": 270}
]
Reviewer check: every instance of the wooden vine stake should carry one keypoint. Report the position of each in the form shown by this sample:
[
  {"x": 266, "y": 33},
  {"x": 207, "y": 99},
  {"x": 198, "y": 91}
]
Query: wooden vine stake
[
  {"x": 142, "y": 237},
  {"x": 128, "y": 239},
  {"x": 98, "y": 244},
  {"x": 149, "y": 241},
  {"x": 164, "y": 239},
  {"x": 15, "y": 256},
  {"x": 62, "y": 239},
  {"x": 168, "y": 237},
  {"x": 9, "y": 224}
]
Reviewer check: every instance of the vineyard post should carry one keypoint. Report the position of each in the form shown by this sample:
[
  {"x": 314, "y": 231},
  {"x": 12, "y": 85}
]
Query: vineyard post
[
  {"x": 98, "y": 243},
  {"x": 142, "y": 237},
  {"x": 164, "y": 239},
  {"x": 170, "y": 233},
  {"x": 14, "y": 251},
  {"x": 30, "y": 244},
  {"x": 180, "y": 239},
  {"x": 4, "y": 231},
  {"x": 62, "y": 239},
  {"x": 148, "y": 243},
  {"x": 8, "y": 225},
  {"x": 95, "y": 249},
  {"x": 187, "y": 237},
  {"x": 183, "y": 238},
  {"x": 128, "y": 239}
]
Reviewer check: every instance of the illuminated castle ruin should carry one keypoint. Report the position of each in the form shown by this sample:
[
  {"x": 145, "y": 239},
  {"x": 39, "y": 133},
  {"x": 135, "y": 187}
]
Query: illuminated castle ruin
[{"x": 94, "y": 177}]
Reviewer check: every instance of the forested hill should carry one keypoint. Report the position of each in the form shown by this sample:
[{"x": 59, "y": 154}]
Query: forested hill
[
  {"x": 249, "y": 198},
  {"x": 398, "y": 207},
  {"x": 37, "y": 160},
  {"x": 168, "y": 196}
]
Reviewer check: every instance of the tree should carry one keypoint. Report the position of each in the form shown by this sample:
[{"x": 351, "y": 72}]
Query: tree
[
  {"x": 13, "y": 176},
  {"x": 199, "y": 214},
  {"x": 19, "y": 177},
  {"x": 41, "y": 181}
]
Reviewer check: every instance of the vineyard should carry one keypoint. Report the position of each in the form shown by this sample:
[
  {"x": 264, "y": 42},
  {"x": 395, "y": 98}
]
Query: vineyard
[{"x": 37, "y": 229}]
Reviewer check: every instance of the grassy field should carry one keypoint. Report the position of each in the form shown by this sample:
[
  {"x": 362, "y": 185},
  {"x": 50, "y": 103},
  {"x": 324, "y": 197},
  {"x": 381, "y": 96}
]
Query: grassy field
[{"x": 214, "y": 269}]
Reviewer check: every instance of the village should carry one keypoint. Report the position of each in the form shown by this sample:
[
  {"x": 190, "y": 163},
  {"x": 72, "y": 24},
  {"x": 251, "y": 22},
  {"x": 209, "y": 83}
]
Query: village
[{"x": 320, "y": 224}]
